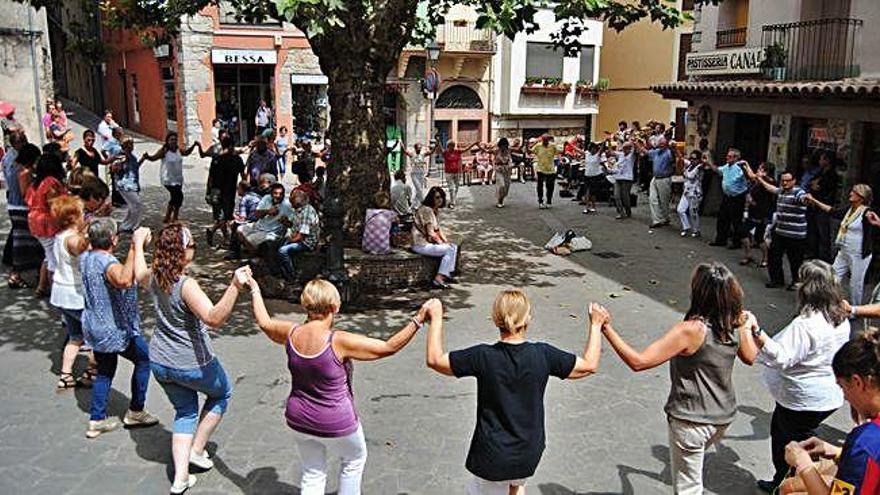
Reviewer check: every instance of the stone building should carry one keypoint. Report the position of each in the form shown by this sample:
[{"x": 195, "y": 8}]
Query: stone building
[
  {"x": 217, "y": 68},
  {"x": 25, "y": 64},
  {"x": 75, "y": 38}
]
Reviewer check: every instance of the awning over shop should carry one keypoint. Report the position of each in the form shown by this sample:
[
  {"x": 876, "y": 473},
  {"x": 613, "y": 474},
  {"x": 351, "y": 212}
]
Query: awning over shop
[{"x": 854, "y": 89}]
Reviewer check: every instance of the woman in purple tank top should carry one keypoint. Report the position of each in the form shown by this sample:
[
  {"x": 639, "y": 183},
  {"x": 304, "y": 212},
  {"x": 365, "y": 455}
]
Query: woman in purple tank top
[{"x": 320, "y": 407}]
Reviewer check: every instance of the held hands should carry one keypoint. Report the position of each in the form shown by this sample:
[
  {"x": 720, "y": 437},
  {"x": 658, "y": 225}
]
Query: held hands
[
  {"x": 817, "y": 448},
  {"x": 242, "y": 276},
  {"x": 432, "y": 310},
  {"x": 599, "y": 315},
  {"x": 141, "y": 237},
  {"x": 797, "y": 457}
]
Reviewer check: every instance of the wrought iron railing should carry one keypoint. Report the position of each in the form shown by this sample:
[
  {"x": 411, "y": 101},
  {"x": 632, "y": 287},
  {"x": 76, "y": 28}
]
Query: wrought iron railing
[
  {"x": 464, "y": 36},
  {"x": 821, "y": 49},
  {"x": 728, "y": 38}
]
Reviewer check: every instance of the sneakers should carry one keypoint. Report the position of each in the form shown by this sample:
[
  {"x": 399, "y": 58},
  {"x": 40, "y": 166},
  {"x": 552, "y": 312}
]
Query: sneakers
[
  {"x": 178, "y": 488},
  {"x": 684, "y": 233},
  {"x": 139, "y": 419},
  {"x": 695, "y": 234},
  {"x": 101, "y": 426},
  {"x": 541, "y": 205},
  {"x": 202, "y": 461}
]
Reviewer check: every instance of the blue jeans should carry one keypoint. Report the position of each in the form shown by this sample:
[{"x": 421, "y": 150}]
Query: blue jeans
[
  {"x": 285, "y": 253},
  {"x": 182, "y": 387},
  {"x": 138, "y": 353}
]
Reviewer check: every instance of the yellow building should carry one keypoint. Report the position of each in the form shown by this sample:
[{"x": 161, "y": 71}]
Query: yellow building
[{"x": 634, "y": 60}]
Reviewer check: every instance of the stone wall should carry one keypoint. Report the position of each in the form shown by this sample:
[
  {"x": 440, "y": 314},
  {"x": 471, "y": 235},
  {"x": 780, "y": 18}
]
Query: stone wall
[{"x": 195, "y": 77}]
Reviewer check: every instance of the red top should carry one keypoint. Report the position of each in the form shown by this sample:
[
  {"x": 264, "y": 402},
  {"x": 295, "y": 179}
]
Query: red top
[
  {"x": 40, "y": 221},
  {"x": 452, "y": 161}
]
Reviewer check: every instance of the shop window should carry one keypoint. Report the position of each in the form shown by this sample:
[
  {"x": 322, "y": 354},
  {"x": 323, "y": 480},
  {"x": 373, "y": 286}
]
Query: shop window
[
  {"x": 459, "y": 97},
  {"x": 588, "y": 57},
  {"x": 543, "y": 61}
]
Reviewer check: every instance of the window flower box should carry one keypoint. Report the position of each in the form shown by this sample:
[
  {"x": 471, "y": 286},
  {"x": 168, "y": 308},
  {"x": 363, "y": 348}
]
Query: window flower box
[{"x": 537, "y": 86}]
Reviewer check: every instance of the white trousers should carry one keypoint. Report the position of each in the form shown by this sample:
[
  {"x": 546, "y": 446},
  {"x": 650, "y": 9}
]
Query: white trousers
[
  {"x": 851, "y": 263},
  {"x": 659, "y": 197},
  {"x": 479, "y": 486},
  {"x": 449, "y": 252},
  {"x": 689, "y": 213},
  {"x": 313, "y": 452},
  {"x": 419, "y": 181},
  {"x": 687, "y": 446},
  {"x": 453, "y": 180},
  {"x": 135, "y": 210}
]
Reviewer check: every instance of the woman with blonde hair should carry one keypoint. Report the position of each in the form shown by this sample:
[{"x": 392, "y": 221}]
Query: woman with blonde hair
[
  {"x": 320, "y": 408},
  {"x": 512, "y": 375},
  {"x": 67, "y": 286},
  {"x": 855, "y": 237},
  {"x": 181, "y": 356}
]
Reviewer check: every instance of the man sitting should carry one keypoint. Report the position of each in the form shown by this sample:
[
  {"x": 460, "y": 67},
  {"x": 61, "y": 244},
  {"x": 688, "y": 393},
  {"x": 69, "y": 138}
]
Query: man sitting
[
  {"x": 401, "y": 195},
  {"x": 305, "y": 227},
  {"x": 272, "y": 214}
]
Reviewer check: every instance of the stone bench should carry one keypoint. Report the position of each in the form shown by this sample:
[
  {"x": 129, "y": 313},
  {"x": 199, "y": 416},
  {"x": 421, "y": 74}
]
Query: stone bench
[{"x": 398, "y": 269}]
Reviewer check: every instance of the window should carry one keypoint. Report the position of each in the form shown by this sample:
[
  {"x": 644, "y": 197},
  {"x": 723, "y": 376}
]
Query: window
[
  {"x": 228, "y": 16},
  {"x": 459, "y": 97},
  {"x": 415, "y": 68},
  {"x": 169, "y": 93},
  {"x": 685, "y": 41},
  {"x": 588, "y": 56},
  {"x": 543, "y": 61},
  {"x": 687, "y": 5}
]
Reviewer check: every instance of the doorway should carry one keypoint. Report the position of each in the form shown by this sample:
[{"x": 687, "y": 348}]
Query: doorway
[
  {"x": 238, "y": 90},
  {"x": 747, "y": 132}
]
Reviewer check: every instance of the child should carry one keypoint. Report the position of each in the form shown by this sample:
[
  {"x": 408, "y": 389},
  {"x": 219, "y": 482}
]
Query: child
[{"x": 511, "y": 378}]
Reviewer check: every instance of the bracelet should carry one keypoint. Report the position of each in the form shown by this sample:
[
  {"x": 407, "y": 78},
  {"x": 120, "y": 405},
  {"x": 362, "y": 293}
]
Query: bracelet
[
  {"x": 852, "y": 311},
  {"x": 416, "y": 322}
]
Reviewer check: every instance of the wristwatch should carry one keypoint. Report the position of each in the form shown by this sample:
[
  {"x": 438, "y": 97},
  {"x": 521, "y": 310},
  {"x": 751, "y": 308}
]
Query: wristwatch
[{"x": 756, "y": 333}]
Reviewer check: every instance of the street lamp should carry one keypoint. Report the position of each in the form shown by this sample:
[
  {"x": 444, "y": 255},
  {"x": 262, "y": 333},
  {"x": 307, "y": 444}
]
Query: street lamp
[{"x": 432, "y": 83}]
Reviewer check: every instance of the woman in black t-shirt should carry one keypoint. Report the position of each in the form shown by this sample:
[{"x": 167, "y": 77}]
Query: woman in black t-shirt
[
  {"x": 760, "y": 206},
  {"x": 88, "y": 156},
  {"x": 226, "y": 169},
  {"x": 511, "y": 379}
]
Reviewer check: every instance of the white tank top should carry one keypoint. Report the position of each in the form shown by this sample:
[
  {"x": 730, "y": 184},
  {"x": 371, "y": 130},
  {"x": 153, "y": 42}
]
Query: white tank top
[
  {"x": 171, "y": 170},
  {"x": 67, "y": 287}
]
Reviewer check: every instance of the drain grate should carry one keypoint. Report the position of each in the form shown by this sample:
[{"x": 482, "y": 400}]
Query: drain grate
[{"x": 608, "y": 254}]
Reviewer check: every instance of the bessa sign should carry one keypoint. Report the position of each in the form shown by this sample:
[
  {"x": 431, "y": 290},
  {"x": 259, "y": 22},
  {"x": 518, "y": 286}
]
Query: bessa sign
[
  {"x": 247, "y": 57},
  {"x": 721, "y": 62}
]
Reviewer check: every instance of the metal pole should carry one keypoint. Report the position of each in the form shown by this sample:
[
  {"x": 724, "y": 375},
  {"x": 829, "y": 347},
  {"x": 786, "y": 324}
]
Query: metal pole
[
  {"x": 431, "y": 97},
  {"x": 36, "y": 74}
]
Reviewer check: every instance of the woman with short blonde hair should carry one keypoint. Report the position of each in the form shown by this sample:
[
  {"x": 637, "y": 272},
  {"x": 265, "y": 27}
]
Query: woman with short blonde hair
[
  {"x": 320, "y": 408},
  {"x": 508, "y": 441}
]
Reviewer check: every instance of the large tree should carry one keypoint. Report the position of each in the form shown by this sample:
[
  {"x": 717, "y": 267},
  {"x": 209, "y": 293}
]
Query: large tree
[{"x": 358, "y": 42}]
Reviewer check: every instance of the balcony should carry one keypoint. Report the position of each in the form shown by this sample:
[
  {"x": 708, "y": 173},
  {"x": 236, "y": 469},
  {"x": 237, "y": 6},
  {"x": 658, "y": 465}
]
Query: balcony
[
  {"x": 817, "y": 50},
  {"x": 731, "y": 38},
  {"x": 464, "y": 36}
]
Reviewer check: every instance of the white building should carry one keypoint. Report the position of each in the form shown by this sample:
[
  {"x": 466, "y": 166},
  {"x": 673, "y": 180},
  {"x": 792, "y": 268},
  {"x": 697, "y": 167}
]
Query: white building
[{"x": 537, "y": 89}]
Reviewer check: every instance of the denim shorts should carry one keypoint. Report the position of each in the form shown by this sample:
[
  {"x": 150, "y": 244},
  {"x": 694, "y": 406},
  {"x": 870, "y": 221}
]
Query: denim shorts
[
  {"x": 73, "y": 323},
  {"x": 183, "y": 385}
]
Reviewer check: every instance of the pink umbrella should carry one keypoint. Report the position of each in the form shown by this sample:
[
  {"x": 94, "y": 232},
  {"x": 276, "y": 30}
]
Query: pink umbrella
[{"x": 6, "y": 109}]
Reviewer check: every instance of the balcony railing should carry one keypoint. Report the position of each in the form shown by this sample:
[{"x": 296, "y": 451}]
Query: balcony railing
[
  {"x": 463, "y": 36},
  {"x": 822, "y": 49},
  {"x": 729, "y": 38}
]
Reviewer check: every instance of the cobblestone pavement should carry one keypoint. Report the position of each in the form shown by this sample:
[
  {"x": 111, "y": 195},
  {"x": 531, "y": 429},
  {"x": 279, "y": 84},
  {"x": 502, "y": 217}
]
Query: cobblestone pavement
[{"x": 606, "y": 434}]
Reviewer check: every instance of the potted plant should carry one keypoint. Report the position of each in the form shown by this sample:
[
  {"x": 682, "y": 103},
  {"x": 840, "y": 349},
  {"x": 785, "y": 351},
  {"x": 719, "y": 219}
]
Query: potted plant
[
  {"x": 587, "y": 88},
  {"x": 545, "y": 85},
  {"x": 773, "y": 64}
]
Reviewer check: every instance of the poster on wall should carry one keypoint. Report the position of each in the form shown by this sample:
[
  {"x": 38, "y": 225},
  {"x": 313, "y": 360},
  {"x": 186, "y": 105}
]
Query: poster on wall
[{"x": 777, "y": 151}]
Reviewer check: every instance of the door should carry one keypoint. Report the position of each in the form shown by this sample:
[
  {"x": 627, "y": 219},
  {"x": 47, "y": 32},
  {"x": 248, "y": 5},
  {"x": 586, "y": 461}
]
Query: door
[{"x": 468, "y": 132}]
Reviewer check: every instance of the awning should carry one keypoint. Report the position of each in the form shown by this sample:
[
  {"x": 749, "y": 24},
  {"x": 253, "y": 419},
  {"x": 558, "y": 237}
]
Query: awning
[{"x": 853, "y": 89}]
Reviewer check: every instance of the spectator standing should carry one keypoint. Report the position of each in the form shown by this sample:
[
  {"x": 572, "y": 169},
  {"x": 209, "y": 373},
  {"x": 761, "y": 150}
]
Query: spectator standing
[
  {"x": 105, "y": 129},
  {"x": 798, "y": 361},
  {"x": 263, "y": 118},
  {"x": 855, "y": 237},
  {"x": 545, "y": 156},
  {"x": 9, "y": 126},
  {"x": 624, "y": 174},
  {"x": 226, "y": 169},
  {"x": 824, "y": 187},
  {"x": 594, "y": 177},
  {"x": 701, "y": 352},
  {"x": 320, "y": 408},
  {"x": 735, "y": 187},
  {"x": 418, "y": 171},
  {"x": 663, "y": 166},
  {"x": 282, "y": 143},
  {"x": 111, "y": 323},
  {"x": 512, "y": 374},
  {"x": 302, "y": 235},
  {"x": 22, "y": 250},
  {"x": 789, "y": 228},
  {"x": 260, "y": 161}
]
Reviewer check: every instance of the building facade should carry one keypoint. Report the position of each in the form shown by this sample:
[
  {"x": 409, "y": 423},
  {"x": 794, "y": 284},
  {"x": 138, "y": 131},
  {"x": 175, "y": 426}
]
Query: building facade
[
  {"x": 75, "y": 31},
  {"x": 538, "y": 90},
  {"x": 633, "y": 60},
  {"x": 26, "y": 68},
  {"x": 784, "y": 80},
  {"x": 217, "y": 68}
]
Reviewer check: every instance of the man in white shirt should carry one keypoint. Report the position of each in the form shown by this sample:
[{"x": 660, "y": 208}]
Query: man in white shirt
[
  {"x": 623, "y": 180},
  {"x": 263, "y": 119},
  {"x": 401, "y": 195},
  {"x": 106, "y": 126}
]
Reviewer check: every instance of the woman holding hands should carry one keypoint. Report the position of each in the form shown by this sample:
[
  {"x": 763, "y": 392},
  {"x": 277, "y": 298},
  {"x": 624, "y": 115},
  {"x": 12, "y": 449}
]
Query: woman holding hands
[
  {"x": 701, "y": 351},
  {"x": 171, "y": 172},
  {"x": 320, "y": 408}
]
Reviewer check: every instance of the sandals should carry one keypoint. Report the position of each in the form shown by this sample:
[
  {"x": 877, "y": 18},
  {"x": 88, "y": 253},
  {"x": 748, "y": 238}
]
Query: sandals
[
  {"x": 15, "y": 282},
  {"x": 66, "y": 381}
]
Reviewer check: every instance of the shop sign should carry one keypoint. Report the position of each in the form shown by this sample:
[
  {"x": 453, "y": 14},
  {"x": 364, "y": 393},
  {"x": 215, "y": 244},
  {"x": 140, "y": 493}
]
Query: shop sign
[
  {"x": 722, "y": 62},
  {"x": 244, "y": 57}
]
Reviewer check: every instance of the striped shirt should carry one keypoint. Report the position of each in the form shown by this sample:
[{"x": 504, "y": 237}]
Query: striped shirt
[{"x": 791, "y": 213}]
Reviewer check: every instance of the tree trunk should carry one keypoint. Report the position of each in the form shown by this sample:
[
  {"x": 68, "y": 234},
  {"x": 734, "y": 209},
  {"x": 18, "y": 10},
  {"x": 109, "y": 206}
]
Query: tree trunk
[{"x": 358, "y": 168}]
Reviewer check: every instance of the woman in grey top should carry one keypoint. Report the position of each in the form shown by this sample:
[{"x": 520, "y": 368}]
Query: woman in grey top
[
  {"x": 701, "y": 351},
  {"x": 181, "y": 356}
]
